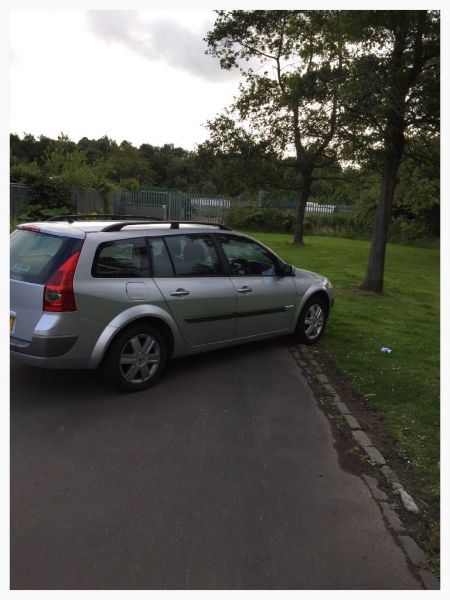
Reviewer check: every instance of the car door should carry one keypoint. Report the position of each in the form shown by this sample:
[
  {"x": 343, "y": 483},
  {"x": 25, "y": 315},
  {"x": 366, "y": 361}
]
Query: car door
[
  {"x": 201, "y": 297},
  {"x": 265, "y": 299}
]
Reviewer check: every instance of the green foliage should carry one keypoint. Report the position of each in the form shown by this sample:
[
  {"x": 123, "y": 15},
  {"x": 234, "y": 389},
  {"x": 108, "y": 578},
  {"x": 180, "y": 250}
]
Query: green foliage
[
  {"x": 260, "y": 219},
  {"x": 36, "y": 212},
  {"x": 97, "y": 150},
  {"x": 125, "y": 164},
  {"x": 45, "y": 191},
  {"x": 291, "y": 100},
  {"x": 25, "y": 173},
  {"x": 70, "y": 166},
  {"x": 391, "y": 95},
  {"x": 289, "y": 105},
  {"x": 355, "y": 225},
  {"x": 409, "y": 230},
  {"x": 29, "y": 149},
  {"x": 207, "y": 171},
  {"x": 417, "y": 197},
  {"x": 393, "y": 74},
  {"x": 331, "y": 85}
]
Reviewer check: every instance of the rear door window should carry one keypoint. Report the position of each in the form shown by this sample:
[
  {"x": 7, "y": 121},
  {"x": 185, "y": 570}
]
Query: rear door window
[
  {"x": 122, "y": 258},
  {"x": 194, "y": 255},
  {"x": 35, "y": 256},
  {"x": 161, "y": 263}
]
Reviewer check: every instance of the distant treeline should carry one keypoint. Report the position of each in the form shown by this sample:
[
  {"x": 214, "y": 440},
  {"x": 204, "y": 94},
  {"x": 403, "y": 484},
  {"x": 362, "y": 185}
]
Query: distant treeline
[{"x": 51, "y": 167}]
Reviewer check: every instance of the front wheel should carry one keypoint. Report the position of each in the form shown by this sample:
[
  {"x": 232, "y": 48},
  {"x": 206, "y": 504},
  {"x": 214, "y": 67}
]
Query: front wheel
[
  {"x": 136, "y": 358},
  {"x": 312, "y": 321}
]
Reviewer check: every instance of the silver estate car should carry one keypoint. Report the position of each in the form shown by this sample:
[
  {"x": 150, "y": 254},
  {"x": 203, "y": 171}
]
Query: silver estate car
[{"x": 127, "y": 295}]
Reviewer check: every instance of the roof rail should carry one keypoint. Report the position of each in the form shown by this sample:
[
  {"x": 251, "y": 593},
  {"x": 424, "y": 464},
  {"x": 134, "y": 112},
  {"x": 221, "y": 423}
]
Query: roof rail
[
  {"x": 104, "y": 217},
  {"x": 173, "y": 224}
]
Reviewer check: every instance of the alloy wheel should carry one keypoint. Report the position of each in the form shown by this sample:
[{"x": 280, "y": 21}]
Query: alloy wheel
[
  {"x": 140, "y": 358},
  {"x": 314, "y": 320}
]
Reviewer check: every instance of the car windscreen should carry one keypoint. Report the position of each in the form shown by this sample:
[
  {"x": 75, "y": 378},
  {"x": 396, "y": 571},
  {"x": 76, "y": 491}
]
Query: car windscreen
[{"x": 35, "y": 256}]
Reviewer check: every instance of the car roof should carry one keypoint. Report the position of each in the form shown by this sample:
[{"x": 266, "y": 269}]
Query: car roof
[{"x": 79, "y": 229}]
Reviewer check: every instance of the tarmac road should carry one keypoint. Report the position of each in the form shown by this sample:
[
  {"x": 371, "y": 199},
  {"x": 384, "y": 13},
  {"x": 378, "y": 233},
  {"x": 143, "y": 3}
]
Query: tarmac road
[{"x": 223, "y": 476}]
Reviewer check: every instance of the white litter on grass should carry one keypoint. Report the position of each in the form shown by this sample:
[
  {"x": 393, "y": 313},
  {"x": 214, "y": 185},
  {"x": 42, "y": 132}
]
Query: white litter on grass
[{"x": 386, "y": 350}]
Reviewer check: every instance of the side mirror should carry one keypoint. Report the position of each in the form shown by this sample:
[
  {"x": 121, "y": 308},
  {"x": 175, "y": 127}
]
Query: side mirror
[
  {"x": 285, "y": 270},
  {"x": 289, "y": 270}
]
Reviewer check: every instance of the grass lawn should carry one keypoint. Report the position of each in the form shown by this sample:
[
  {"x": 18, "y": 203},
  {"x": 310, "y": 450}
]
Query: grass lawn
[{"x": 405, "y": 318}]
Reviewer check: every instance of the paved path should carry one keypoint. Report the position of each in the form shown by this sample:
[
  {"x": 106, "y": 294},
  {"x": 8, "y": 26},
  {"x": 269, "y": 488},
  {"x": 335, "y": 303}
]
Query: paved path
[{"x": 224, "y": 476}]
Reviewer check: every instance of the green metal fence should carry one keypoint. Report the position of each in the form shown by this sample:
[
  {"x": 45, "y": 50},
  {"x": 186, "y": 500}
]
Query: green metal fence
[
  {"x": 87, "y": 201},
  {"x": 164, "y": 203},
  {"x": 213, "y": 208},
  {"x": 84, "y": 200},
  {"x": 19, "y": 198},
  {"x": 169, "y": 204}
]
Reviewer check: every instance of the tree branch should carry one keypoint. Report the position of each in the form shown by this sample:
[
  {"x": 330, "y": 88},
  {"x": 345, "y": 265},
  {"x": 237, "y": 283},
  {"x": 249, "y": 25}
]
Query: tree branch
[
  {"x": 418, "y": 58},
  {"x": 333, "y": 118},
  {"x": 254, "y": 50},
  {"x": 340, "y": 178},
  {"x": 280, "y": 50}
]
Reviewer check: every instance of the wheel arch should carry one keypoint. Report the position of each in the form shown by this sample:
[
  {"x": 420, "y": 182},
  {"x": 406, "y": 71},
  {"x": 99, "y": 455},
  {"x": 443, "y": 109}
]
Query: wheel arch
[
  {"x": 117, "y": 327},
  {"x": 320, "y": 293},
  {"x": 149, "y": 320}
]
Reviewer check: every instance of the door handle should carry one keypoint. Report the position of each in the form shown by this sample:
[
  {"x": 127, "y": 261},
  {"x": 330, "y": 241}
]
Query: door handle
[
  {"x": 180, "y": 292},
  {"x": 245, "y": 289}
]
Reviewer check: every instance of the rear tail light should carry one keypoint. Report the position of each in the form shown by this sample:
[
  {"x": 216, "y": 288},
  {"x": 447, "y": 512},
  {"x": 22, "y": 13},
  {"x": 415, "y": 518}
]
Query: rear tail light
[
  {"x": 29, "y": 228},
  {"x": 58, "y": 293}
]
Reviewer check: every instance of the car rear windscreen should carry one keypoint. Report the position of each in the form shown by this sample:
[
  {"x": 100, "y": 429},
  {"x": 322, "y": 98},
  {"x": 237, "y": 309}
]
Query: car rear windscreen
[{"x": 35, "y": 256}]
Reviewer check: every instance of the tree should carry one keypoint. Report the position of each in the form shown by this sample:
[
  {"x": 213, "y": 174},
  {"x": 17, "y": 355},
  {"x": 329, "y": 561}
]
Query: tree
[
  {"x": 68, "y": 164},
  {"x": 244, "y": 168},
  {"x": 29, "y": 149},
  {"x": 172, "y": 165},
  {"x": 97, "y": 150},
  {"x": 416, "y": 199},
  {"x": 292, "y": 63},
  {"x": 392, "y": 94},
  {"x": 128, "y": 168},
  {"x": 46, "y": 193}
]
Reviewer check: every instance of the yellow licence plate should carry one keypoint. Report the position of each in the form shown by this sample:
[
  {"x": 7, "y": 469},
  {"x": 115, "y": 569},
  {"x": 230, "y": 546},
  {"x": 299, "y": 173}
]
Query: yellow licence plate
[{"x": 11, "y": 323}]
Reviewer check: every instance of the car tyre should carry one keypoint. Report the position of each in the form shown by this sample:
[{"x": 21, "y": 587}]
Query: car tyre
[
  {"x": 136, "y": 358},
  {"x": 312, "y": 321}
]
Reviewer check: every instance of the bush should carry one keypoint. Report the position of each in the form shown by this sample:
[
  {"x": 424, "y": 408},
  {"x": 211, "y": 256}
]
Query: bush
[
  {"x": 262, "y": 219},
  {"x": 45, "y": 192},
  {"x": 408, "y": 230},
  {"x": 272, "y": 219},
  {"x": 36, "y": 212},
  {"x": 356, "y": 225},
  {"x": 330, "y": 224}
]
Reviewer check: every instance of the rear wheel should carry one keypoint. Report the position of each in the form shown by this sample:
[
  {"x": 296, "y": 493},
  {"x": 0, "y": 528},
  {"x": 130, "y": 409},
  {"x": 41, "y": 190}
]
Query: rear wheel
[
  {"x": 136, "y": 358},
  {"x": 312, "y": 320}
]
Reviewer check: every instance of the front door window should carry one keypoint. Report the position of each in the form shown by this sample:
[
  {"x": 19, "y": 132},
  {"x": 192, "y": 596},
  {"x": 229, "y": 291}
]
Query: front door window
[{"x": 247, "y": 257}]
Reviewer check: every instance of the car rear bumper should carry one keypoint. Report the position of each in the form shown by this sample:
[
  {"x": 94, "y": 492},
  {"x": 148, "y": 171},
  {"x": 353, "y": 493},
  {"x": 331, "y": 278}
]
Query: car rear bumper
[
  {"x": 52, "y": 352},
  {"x": 59, "y": 341},
  {"x": 43, "y": 346}
]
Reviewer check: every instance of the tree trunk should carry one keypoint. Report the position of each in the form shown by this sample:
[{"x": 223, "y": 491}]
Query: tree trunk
[
  {"x": 374, "y": 278},
  {"x": 402, "y": 80},
  {"x": 304, "y": 195}
]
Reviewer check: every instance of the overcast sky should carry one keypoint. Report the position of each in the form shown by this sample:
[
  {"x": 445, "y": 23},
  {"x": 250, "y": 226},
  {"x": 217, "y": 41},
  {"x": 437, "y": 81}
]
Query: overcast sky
[{"x": 134, "y": 75}]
